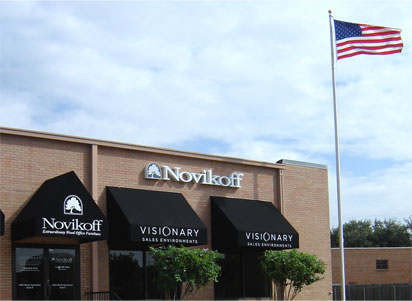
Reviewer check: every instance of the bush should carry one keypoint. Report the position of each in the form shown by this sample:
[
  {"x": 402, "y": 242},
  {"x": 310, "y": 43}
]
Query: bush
[
  {"x": 181, "y": 267},
  {"x": 291, "y": 271}
]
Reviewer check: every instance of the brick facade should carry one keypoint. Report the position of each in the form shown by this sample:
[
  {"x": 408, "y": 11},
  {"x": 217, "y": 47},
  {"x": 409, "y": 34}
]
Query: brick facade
[
  {"x": 360, "y": 265},
  {"x": 306, "y": 206},
  {"x": 27, "y": 159}
]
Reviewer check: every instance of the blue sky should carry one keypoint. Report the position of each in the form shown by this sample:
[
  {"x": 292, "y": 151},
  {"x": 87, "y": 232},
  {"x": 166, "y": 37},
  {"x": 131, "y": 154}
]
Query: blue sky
[{"x": 248, "y": 79}]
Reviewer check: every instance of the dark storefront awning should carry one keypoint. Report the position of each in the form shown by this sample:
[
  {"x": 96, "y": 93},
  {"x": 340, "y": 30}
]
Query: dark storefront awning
[
  {"x": 250, "y": 223},
  {"x": 152, "y": 217},
  {"x": 61, "y": 210},
  {"x": 1, "y": 223}
]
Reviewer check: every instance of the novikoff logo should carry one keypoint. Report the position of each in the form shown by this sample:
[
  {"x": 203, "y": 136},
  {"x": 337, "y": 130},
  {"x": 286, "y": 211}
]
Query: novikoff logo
[
  {"x": 73, "y": 205},
  {"x": 205, "y": 177},
  {"x": 153, "y": 171}
]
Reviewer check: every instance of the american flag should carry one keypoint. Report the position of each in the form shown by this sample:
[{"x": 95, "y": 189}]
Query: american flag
[{"x": 354, "y": 39}]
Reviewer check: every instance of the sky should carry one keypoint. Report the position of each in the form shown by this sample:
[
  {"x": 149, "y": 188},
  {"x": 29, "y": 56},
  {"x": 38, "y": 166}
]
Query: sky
[{"x": 245, "y": 79}]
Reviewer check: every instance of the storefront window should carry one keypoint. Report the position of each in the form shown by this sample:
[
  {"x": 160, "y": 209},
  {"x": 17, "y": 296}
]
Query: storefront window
[
  {"x": 242, "y": 277},
  {"x": 127, "y": 274},
  {"x": 229, "y": 283},
  {"x": 255, "y": 282},
  {"x": 132, "y": 275}
]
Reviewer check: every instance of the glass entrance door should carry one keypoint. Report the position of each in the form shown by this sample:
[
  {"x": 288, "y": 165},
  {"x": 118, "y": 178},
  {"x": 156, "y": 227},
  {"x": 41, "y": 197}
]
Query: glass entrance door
[
  {"x": 29, "y": 273},
  {"x": 46, "y": 273},
  {"x": 61, "y": 277}
]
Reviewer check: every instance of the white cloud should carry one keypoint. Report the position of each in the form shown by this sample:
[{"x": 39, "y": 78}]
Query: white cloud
[
  {"x": 380, "y": 194},
  {"x": 254, "y": 77}
]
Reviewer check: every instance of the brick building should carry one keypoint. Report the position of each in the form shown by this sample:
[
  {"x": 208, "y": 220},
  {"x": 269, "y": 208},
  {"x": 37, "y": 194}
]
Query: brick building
[
  {"x": 374, "y": 265},
  {"x": 80, "y": 214}
]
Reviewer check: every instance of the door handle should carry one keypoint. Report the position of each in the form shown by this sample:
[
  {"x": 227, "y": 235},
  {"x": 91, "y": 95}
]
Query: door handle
[{"x": 48, "y": 288}]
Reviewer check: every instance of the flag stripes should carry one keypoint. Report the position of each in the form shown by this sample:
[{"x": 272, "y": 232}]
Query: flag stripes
[{"x": 354, "y": 39}]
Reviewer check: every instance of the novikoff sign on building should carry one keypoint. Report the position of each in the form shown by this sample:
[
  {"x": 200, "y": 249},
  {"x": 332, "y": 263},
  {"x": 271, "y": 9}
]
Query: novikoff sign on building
[{"x": 206, "y": 177}]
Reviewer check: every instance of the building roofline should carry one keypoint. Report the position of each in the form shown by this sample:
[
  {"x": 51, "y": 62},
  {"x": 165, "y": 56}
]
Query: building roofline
[
  {"x": 135, "y": 147},
  {"x": 301, "y": 163}
]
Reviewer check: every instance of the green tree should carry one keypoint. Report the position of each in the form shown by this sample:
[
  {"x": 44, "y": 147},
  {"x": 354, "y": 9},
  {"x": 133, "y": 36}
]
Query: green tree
[
  {"x": 408, "y": 223},
  {"x": 356, "y": 234},
  {"x": 386, "y": 233},
  {"x": 391, "y": 233},
  {"x": 188, "y": 269},
  {"x": 291, "y": 271}
]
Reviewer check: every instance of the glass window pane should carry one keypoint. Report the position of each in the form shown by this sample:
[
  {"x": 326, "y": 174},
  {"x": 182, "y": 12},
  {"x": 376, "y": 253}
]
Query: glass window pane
[
  {"x": 62, "y": 274},
  {"x": 381, "y": 264},
  {"x": 256, "y": 284},
  {"x": 127, "y": 274},
  {"x": 229, "y": 282},
  {"x": 29, "y": 273}
]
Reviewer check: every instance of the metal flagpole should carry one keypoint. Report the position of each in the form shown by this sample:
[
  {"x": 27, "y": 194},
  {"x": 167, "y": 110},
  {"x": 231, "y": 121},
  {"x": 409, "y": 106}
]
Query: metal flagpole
[{"x": 335, "y": 110}]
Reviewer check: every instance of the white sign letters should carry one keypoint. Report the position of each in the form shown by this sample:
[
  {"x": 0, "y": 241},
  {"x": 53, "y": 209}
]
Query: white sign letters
[{"x": 206, "y": 177}]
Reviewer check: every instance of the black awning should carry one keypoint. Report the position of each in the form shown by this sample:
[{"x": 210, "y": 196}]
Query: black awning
[
  {"x": 61, "y": 208},
  {"x": 1, "y": 223},
  {"x": 250, "y": 223},
  {"x": 152, "y": 217}
]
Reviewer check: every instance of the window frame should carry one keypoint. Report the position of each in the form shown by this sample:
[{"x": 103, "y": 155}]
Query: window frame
[{"x": 382, "y": 264}]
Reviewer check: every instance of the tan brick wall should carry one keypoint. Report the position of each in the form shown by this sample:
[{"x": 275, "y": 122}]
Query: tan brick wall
[
  {"x": 27, "y": 160},
  {"x": 125, "y": 168},
  {"x": 360, "y": 265},
  {"x": 25, "y": 163},
  {"x": 306, "y": 208}
]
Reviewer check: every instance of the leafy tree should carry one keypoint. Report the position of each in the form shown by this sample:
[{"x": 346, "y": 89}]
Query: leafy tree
[
  {"x": 181, "y": 267},
  {"x": 356, "y": 234},
  {"x": 291, "y": 271},
  {"x": 390, "y": 233},
  {"x": 334, "y": 237},
  {"x": 408, "y": 223},
  {"x": 387, "y": 233}
]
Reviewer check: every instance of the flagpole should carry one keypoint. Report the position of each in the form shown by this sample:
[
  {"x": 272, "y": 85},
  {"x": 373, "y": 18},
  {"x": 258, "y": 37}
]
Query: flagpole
[{"x": 335, "y": 111}]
